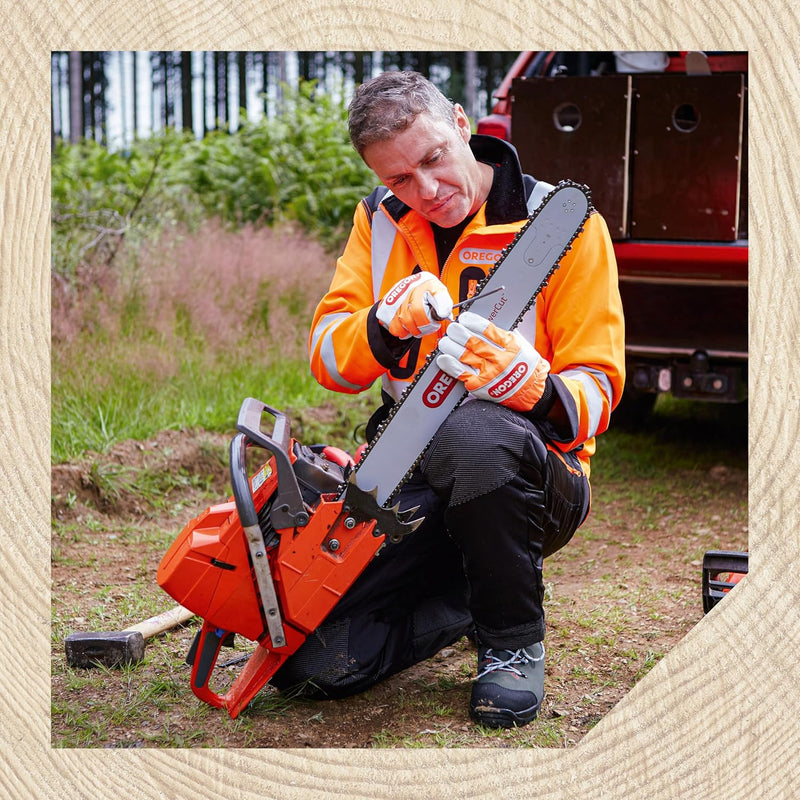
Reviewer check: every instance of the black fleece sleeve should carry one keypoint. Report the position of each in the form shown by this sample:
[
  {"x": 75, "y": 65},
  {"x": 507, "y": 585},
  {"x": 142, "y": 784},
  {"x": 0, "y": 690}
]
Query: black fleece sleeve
[
  {"x": 551, "y": 414},
  {"x": 386, "y": 348}
]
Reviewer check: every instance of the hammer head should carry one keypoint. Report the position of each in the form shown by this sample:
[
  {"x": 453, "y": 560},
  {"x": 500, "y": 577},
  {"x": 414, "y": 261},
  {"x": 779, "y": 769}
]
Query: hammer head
[{"x": 106, "y": 648}]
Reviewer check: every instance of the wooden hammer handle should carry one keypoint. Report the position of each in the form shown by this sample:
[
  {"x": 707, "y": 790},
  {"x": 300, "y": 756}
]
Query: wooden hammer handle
[{"x": 162, "y": 622}]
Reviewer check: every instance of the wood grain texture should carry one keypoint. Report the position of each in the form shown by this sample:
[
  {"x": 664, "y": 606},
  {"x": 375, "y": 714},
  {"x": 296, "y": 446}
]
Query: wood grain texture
[{"x": 717, "y": 717}]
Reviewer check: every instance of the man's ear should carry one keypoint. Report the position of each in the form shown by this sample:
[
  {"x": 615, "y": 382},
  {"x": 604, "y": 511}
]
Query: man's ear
[{"x": 462, "y": 121}]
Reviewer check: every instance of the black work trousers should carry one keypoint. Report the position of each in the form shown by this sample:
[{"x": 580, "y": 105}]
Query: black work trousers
[{"x": 495, "y": 502}]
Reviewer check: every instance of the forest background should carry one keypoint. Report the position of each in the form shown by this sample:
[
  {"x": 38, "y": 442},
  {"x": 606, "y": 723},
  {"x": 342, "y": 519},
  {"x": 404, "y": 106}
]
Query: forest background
[{"x": 194, "y": 228}]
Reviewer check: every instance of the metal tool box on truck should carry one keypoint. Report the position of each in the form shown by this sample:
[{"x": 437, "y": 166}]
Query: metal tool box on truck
[{"x": 665, "y": 155}]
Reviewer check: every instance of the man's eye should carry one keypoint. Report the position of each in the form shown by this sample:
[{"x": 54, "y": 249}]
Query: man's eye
[{"x": 437, "y": 156}]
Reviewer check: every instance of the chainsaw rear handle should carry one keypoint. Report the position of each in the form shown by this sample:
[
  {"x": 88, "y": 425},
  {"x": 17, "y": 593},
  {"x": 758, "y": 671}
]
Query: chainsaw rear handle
[
  {"x": 263, "y": 663},
  {"x": 288, "y": 509}
]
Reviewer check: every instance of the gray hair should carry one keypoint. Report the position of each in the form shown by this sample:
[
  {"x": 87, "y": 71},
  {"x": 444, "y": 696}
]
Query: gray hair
[{"x": 389, "y": 103}]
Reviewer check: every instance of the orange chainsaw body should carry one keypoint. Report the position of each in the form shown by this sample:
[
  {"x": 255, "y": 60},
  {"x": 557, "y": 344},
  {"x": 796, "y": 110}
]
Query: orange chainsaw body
[{"x": 210, "y": 570}]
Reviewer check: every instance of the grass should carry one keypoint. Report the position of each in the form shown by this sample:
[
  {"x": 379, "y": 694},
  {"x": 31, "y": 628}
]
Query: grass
[
  {"x": 681, "y": 436},
  {"x": 609, "y": 617},
  {"x": 156, "y": 487},
  {"x": 176, "y": 335},
  {"x": 203, "y": 393},
  {"x": 546, "y": 733}
]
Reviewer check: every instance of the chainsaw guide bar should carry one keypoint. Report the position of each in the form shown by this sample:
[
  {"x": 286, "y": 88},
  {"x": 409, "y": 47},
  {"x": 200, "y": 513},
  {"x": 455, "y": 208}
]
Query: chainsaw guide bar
[{"x": 523, "y": 269}]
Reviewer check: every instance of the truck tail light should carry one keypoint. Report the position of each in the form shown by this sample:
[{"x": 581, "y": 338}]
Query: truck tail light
[{"x": 494, "y": 127}]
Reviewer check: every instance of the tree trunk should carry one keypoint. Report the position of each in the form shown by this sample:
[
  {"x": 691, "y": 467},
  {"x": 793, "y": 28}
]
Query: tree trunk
[
  {"x": 282, "y": 78},
  {"x": 304, "y": 65},
  {"x": 102, "y": 88},
  {"x": 221, "y": 89},
  {"x": 265, "y": 81},
  {"x": 471, "y": 83},
  {"x": 358, "y": 68},
  {"x": 204, "y": 105},
  {"x": 75, "y": 96},
  {"x": 56, "y": 123},
  {"x": 135, "y": 73},
  {"x": 187, "y": 117},
  {"x": 241, "y": 58},
  {"x": 123, "y": 97},
  {"x": 168, "y": 110}
]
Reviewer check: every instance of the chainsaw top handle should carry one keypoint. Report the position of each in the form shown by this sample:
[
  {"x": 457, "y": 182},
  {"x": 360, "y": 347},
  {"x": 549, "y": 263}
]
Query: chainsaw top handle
[{"x": 288, "y": 509}]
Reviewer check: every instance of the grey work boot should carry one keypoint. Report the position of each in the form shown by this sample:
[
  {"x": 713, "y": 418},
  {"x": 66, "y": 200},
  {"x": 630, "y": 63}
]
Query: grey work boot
[{"x": 510, "y": 686}]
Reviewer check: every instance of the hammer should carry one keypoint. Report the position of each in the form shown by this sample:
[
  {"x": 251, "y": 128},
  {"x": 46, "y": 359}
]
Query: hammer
[{"x": 115, "y": 648}]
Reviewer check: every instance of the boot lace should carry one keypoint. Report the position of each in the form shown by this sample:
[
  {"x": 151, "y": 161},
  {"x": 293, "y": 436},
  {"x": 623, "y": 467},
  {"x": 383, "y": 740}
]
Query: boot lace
[{"x": 507, "y": 661}]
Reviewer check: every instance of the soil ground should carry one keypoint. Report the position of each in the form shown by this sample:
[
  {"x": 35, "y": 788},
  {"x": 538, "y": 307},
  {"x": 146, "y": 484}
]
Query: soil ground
[{"x": 619, "y": 597}]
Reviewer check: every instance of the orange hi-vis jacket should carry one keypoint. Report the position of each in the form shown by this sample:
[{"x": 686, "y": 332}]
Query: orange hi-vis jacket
[{"x": 576, "y": 322}]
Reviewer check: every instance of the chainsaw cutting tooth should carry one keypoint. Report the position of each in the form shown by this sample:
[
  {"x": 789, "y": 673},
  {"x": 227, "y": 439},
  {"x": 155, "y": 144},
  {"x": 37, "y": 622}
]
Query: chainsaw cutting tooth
[
  {"x": 391, "y": 522},
  {"x": 405, "y": 516},
  {"x": 414, "y": 524}
]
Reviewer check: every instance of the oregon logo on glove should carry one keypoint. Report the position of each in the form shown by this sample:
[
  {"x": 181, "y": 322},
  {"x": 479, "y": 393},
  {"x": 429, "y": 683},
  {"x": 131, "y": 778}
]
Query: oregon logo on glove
[
  {"x": 494, "y": 364},
  {"x": 396, "y": 292},
  {"x": 415, "y": 306},
  {"x": 505, "y": 386}
]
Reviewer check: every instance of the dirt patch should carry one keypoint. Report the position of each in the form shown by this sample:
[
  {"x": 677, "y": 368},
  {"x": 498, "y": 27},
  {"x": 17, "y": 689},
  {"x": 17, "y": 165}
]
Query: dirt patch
[
  {"x": 116, "y": 482},
  {"x": 619, "y": 597}
]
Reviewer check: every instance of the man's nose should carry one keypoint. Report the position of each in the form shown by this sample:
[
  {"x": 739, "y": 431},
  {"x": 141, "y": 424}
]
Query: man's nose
[{"x": 428, "y": 186}]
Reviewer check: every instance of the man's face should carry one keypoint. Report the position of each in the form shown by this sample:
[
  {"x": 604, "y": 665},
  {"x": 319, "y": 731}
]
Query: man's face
[{"x": 430, "y": 167}]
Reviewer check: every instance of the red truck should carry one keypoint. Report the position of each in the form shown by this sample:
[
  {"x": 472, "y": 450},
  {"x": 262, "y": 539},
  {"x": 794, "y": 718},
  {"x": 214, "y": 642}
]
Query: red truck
[{"x": 661, "y": 140}]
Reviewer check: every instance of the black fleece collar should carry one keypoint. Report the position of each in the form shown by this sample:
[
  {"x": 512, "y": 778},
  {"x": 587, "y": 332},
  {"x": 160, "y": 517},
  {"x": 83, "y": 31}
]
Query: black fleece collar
[{"x": 506, "y": 200}]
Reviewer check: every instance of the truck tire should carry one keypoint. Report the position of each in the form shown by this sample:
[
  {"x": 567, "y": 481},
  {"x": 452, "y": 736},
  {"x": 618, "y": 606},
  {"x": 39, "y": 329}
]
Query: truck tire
[{"x": 634, "y": 408}]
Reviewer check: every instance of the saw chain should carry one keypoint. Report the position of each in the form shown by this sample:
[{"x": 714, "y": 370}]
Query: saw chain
[{"x": 523, "y": 269}]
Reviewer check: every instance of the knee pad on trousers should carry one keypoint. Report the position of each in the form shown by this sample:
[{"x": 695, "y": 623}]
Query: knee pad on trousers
[{"x": 477, "y": 449}]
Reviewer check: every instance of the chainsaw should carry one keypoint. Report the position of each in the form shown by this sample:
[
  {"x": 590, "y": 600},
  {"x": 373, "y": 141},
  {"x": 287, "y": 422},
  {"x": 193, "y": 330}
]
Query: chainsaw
[{"x": 272, "y": 562}]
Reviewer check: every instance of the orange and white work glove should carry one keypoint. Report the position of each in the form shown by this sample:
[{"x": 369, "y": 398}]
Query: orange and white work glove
[
  {"x": 494, "y": 364},
  {"x": 415, "y": 306}
]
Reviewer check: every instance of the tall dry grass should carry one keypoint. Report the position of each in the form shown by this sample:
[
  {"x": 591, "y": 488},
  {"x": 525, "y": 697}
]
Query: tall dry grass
[
  {"x": 220, "y": 285},
  {"x": 176, "y": 333}
]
